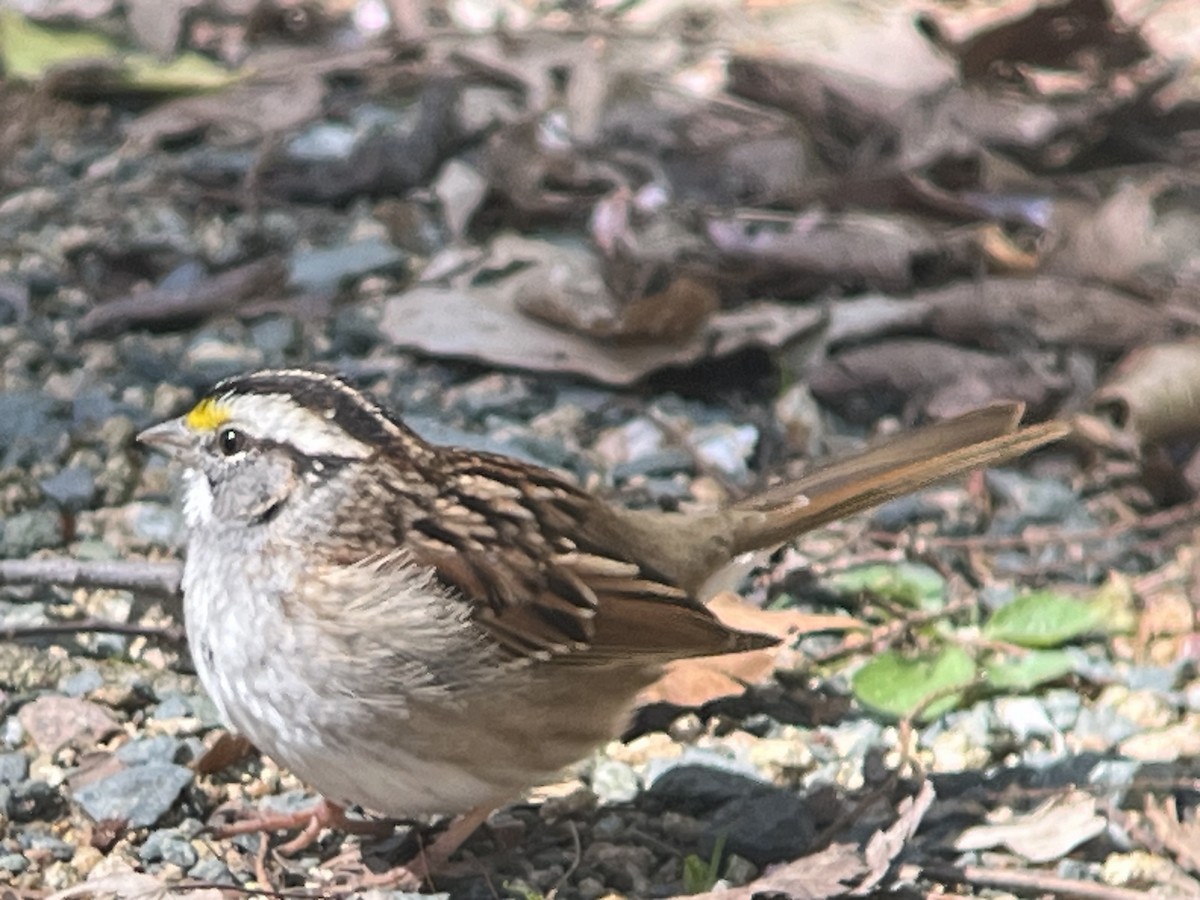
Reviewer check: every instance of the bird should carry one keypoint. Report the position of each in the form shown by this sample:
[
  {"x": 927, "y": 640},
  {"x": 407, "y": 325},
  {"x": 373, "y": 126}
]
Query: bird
[{"x": 421, "y": 629}]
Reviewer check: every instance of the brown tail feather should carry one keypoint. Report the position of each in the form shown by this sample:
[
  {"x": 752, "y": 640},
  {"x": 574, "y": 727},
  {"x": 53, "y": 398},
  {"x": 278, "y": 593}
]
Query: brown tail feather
[{"x": 900, "y": 467}]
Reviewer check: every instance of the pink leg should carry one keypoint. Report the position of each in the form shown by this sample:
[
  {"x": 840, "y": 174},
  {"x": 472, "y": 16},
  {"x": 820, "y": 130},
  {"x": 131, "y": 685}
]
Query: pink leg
[
  {"x": 432, "y": 859},
  {"x": 311, "y": 821}
]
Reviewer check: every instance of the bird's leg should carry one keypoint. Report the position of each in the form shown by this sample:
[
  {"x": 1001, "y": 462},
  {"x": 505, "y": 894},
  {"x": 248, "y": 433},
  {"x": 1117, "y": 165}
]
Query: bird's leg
[
  {"x": 323, "y": 815},
  {"x": 430, "y": 860}
]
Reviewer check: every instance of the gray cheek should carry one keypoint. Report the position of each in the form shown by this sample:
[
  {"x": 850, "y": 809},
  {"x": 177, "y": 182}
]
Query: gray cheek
[{"x": 252, "y": 487}]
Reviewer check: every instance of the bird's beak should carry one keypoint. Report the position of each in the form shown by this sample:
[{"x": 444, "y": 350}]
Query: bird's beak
[{"x": 171, "y": 437}]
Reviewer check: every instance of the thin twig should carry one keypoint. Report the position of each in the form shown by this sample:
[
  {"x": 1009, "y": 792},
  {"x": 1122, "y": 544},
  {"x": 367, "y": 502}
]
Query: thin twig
[
  {"x": 117, "y": 574},
  {"x": 172, "y": 633},
  {"x": 1023, "y": 881}
]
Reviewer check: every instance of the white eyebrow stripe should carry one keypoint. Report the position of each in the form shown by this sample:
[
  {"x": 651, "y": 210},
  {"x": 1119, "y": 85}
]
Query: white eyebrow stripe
[{"x": 278, "y": 418}]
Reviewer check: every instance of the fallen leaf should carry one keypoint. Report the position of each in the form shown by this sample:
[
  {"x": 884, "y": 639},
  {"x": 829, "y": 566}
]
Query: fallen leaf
[
  {"x": 694, "y": 682},
  {"x": 885, "y": 846},
  {"x": 485, "y": 325},
  {"x": 1047, "y": 833}
]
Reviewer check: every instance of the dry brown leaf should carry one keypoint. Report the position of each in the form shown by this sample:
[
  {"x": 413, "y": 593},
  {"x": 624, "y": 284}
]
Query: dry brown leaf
[
  {"x": 1047, "y": 833},
  {"x": 484, "y": 325},
  {"x": 1181, "y": 838},
  {"x": 226, "y": 750},
  {"x": 694, "y": 682},
  {"x": 822, "y": 875}
]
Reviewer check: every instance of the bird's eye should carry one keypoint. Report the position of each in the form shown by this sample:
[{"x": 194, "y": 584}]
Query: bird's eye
[{"x": 231, "y": 441}]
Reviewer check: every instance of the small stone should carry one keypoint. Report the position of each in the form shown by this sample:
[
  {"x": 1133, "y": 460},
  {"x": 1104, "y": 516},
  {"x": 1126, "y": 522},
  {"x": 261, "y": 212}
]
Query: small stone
[
  {"x": 726, "y": 447},
  {"x": 275, "y": 337},
  {"x": 608, "y": 828},
  {"x": 168, "y": 846},
  {"x": 614, "y": 782},
  {"x": 53, "y": 722},
  {"x": 622, "y": 866},
  {"x": 1024, "y": 717},
  {"x": 697, "y": 789},
  {"x": 578, "y": 801},
  {"x": 327, "y": 268},
  {"x": 140, "y": 795},
  {"x": 764, "y": 828},
  {"x": 14, "y": 862},
  {"x": 159, "y": 749},
  {"x": 739, "y": 870},
  {"x": 33, "y": 529},
  {"x": 590, "y": 888},
  {"x": 173, "y": 706},
  {"x": 14, "y": 768},
  {"x": 72, "y": 488},
  {"x": 34, "y": 800},
  {"x": 82, "y": 682},
  {"x": 47, "y": 843},
  {"x": 213, "y": 871}
]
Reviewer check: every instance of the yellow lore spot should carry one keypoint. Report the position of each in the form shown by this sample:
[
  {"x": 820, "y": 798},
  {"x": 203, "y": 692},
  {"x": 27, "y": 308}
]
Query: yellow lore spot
[{"x": 207, "y": 415}]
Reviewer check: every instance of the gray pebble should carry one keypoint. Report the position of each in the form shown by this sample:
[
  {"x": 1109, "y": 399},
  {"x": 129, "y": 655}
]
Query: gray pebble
[
  {"x": 161, "y": 748},
  {"x": 72, "y": 488},
  {"x": 13, "y": 862},
  {"x": 33, "y": 529},
  {"x": 140, "y": 795},
  {"x": 173, "y": 706},
  {"x": 213, "y": 871},
  {"x": 14, "y": 768},
  {"x": 82, "y": 682},
  {"x": 168, "y": 846},
  {"x": 48, "y": 843},
  {"x": 327, "y": 268},
  {"x": 275, "y": 336}
]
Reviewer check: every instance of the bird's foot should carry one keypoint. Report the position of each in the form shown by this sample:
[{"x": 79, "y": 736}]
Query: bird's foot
[
  {"x": 429, "y": 861},
  {"x": 310, "y": 822}
]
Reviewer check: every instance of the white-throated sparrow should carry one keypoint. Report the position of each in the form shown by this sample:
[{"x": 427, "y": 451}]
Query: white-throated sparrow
[{"x": 423, "y": 629}]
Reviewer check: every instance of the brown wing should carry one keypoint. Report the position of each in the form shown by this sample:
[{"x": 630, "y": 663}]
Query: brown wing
[{"x": 498, "y": 534}]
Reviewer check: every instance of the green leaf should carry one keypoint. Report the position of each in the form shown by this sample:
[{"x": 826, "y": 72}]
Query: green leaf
[
  {"x": 1042, "y": 619},
  {"x": 29, "y": 51},
  {"x": 1028, "y": 670},
  {"x": 899, "y": 685},
  {"x": 909, "y": 584}
]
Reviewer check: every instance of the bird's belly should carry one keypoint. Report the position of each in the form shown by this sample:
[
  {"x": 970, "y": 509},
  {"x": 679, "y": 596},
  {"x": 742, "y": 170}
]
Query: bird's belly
[{"x": 464, "y": 737}]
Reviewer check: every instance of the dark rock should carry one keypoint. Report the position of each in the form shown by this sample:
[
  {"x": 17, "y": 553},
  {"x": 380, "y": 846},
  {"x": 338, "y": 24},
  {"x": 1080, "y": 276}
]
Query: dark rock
[
  {"x": 698, "y": 789},
  {"x": 140, "y": 795},
  {"x": 34, "y": 800},
  {"x": 767, "y": 827},
  {"x": 898, "y": 514}
]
